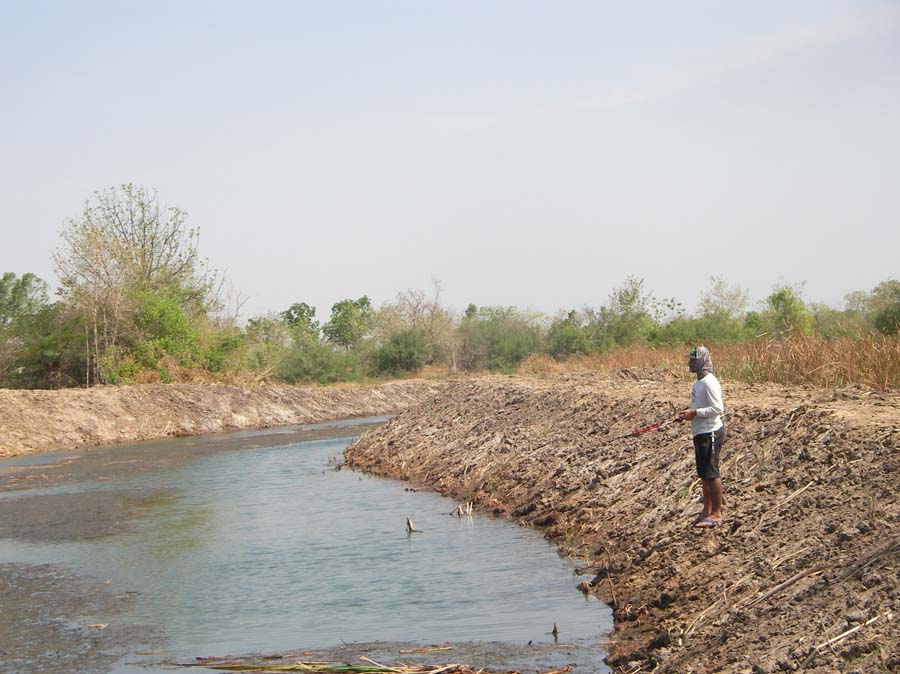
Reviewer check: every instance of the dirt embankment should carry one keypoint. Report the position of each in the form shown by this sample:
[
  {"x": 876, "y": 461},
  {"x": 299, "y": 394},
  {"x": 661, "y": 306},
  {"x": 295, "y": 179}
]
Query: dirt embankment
[
  {"x": 34, "y": 421},
  {"x": 809, "y": 548}
]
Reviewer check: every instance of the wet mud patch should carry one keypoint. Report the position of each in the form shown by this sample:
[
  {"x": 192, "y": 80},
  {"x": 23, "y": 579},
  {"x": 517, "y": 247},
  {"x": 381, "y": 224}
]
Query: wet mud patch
[
  {"x": 56, "y": 622},
  {"x": 79, "y": 516}
]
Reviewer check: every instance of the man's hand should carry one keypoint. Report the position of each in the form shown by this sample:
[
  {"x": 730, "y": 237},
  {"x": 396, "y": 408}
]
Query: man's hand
[{"x": 686, "y": 415}]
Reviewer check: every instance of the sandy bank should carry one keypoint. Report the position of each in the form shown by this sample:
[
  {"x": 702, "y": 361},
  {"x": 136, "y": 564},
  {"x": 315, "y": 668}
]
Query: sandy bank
[
  {"x": 35, "y": 421},
  {"x": 810, "y": 547}
]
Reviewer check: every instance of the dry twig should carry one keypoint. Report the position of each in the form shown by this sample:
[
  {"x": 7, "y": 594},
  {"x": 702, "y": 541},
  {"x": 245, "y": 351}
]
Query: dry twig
[
  {"x": 790, "y": 581},
  {"x": 871, "y": 558},
  {"x": 843, "y": 635}
]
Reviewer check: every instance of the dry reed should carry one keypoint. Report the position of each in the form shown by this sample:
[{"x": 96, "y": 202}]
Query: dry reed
[{"x": 868, "y": 360}]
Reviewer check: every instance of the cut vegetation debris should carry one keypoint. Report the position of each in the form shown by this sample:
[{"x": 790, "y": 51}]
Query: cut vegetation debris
[{"x": 339, "y": 668}]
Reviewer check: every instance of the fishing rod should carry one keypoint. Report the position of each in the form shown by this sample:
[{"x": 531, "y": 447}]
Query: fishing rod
[
  {"x": 655, "y": 427},
  {"x": 635, "y": 433}
]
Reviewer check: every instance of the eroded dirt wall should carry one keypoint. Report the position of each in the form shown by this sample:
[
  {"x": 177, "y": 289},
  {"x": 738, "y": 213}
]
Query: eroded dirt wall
[
  {"x": 33, "y": 421},
  {"x": 809, "y": 547}
]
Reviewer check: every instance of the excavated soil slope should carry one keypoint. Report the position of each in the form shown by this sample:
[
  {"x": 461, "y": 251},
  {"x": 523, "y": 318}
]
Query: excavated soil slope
[
  {"x": 33, "y": 421},
  {"x": 809, "y": 548}
]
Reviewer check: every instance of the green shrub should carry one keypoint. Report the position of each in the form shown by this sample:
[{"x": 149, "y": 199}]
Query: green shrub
[
  {"x": 405, "y": 351},
  {"x": 567, "y": 336},
  {"x": 887, "y": 321},
  {"x": 683, "y": 330},
  {"x": 223, "y": 345},
  {"x": 312, "y": 361},
  {"x": 786, "y": 312},
  {"x": 498, "y": 338},
  {"x": 44, "y": 349},
  {"x": 164, "y": 329}
]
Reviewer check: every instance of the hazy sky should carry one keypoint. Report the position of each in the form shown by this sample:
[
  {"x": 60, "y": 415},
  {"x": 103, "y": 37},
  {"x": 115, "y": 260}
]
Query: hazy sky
[{"x": 524, "y": 153}]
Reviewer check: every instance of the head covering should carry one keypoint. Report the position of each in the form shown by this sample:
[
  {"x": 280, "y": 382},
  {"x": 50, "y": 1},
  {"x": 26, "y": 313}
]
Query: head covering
[{"x": 700, "y": 361}]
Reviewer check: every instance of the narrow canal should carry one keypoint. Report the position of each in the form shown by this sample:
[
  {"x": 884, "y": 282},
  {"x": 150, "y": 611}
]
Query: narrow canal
[{"x": 266, "y": 548}]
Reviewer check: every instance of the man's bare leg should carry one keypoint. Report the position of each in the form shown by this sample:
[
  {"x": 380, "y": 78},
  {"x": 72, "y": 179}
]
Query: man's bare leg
[
  {"x": 715, "y": 499},
  {"x": 706, "y": 501},
  {"x": 712, "y": 503}
]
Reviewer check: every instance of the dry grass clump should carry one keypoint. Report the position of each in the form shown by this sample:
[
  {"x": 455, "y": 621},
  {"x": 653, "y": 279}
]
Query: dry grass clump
[
  {"x": 639, "y": 357},
  {"x": 541, "y": 363},
  {"x": 171, "y": 371},
  {"x": 869, "y": 360}
]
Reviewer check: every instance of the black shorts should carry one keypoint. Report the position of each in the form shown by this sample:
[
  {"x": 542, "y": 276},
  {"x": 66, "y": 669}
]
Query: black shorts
[{"x": 706, "y": 451}]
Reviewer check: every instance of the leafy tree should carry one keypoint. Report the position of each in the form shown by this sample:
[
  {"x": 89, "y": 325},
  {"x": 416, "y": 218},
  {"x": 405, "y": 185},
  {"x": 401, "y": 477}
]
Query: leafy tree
[
  {"x": 20, "y": 296},
  {"x": 414, "y": 310},
  {"x": 350, "y": 322},
  {"x": 222, "y": 347},
  {"x": 829, "y": 322},
  {"x": 665, "y": 310},
  {"x": 856, "y": 302},
  {"x": 885, "y": 306},
  {"x": 300, "y": 316},
  {"x": 877, "y": 308},
  {"x": 151, "y": 246},
  {"x": 498, "y": 338},
  {"x": 722, "y": 301},
  {"x": 567, "y": 336},
  {"x": 36, "y": 345},
  {"x": 312, "y": 361},
  {"x": 684, "y": 330},
  {"x": 266, "y": 340},
  {"x": 883, "y": 296},
  {"x": 125, "y": 244},
  {"x": 754, "y": 323},
  {"x": 626, "y": 318},
  {"x": 161, "y": 320},
  {"x": 48, "y": 347},
  {"x": 887, "y": 320},
  {"x": 720, "y": 318},
  {"x": 786, "y": 311}
]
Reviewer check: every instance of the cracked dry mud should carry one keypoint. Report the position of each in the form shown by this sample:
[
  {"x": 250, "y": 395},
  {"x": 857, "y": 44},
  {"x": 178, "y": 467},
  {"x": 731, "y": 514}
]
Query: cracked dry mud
[{"x": 808, "y": 551}]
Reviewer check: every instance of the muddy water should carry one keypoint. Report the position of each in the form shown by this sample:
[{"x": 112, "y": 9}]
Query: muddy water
[{"x": 273, "y": 549}]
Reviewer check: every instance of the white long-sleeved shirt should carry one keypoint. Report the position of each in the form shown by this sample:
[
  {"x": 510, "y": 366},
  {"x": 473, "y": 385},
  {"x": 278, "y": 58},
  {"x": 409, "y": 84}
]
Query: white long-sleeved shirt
[{"x": 706, "y": 398}]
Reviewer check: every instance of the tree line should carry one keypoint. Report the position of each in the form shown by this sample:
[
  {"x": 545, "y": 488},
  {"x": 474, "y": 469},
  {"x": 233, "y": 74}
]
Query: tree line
[{"x": 138, "y": 303}]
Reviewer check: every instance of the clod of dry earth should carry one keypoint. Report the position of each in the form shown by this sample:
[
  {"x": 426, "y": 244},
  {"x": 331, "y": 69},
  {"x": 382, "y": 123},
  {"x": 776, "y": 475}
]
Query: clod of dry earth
[
  {"x": 810, "y": 545},
  {"x": 32, "y": 421}
]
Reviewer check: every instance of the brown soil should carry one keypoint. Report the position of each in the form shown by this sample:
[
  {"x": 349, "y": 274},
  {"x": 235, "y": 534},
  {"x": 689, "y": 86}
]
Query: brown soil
[
  {"x": 811, "y": 487},
  {"x": 33, "y": 421}
]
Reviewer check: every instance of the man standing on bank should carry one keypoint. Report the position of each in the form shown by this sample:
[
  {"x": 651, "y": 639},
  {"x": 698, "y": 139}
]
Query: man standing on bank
[{"x": 705, "y": 415}]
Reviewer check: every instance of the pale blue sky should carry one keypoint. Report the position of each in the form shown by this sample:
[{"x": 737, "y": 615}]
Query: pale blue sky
[{"x": 523, "y": 153}]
